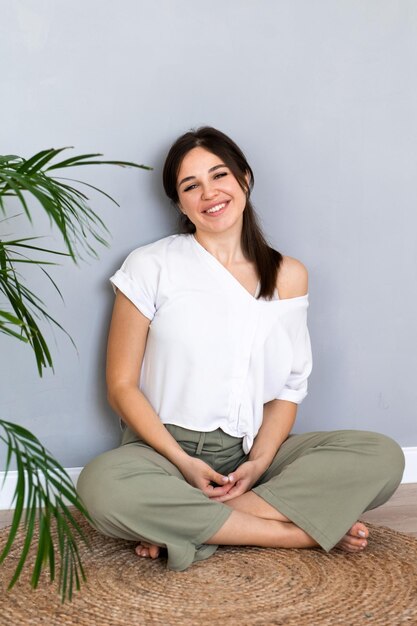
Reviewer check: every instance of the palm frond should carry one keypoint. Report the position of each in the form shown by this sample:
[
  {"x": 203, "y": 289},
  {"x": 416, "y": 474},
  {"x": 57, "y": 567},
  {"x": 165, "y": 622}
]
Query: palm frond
[
  {"x": 21, "y": 321},
  {"x": 65, "y": 205},
  {"x": 43, "y": 491},
  {"x": 69, "y": 211}
]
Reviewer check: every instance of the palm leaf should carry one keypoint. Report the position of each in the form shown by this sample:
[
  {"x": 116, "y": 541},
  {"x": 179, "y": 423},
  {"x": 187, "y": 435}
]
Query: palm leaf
[
  {"x": 39, "y": 160},
  {"x": 89, "y": 159},
  {"x": 42, "y": 488},
  {"x": 65, "y": 205},
  {"x": 68, "y": 209},
  {"x": 25, "y": 305}
]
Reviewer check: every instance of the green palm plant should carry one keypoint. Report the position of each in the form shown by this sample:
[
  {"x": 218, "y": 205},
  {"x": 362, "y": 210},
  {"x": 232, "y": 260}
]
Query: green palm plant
[{"x": 44, "y": 492}]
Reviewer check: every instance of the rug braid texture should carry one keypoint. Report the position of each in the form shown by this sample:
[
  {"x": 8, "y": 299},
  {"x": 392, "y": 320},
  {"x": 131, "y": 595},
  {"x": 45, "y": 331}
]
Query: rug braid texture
[{"x": 237, "y": 586}]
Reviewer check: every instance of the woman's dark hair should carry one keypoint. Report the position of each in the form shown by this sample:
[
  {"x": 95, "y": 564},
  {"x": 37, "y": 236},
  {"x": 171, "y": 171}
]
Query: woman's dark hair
[{"x": 254, "y": 246}]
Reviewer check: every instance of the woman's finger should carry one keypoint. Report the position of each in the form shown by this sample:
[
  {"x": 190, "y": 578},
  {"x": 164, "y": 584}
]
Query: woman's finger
[
  {"x": 219, "y": 479},
  {"x": 211, "y": 491},
  {"x": 234, "y": 492},
  {"x": 226, "y": 497}
]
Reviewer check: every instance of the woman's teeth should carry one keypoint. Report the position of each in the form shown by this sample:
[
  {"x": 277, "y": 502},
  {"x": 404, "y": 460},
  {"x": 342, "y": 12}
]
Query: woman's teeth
[{"x": 216, "y": 208}]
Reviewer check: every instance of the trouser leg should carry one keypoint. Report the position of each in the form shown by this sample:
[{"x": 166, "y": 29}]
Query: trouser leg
[
  {"x": 134, "y": 493},
  {"x": 324, "y": 481}
]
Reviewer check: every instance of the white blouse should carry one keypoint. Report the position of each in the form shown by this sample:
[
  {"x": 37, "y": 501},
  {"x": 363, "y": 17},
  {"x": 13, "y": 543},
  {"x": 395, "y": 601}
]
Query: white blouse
[{"x": 214, "y": 354}]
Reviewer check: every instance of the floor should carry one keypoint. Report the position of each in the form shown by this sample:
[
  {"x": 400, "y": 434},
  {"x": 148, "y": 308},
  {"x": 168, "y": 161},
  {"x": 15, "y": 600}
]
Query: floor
[{"x": 399, "y": 513}]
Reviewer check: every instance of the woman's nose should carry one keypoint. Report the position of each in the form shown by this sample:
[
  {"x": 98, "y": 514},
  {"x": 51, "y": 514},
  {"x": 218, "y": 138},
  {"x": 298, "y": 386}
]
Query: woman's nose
[{"x": 208, "y": 191}]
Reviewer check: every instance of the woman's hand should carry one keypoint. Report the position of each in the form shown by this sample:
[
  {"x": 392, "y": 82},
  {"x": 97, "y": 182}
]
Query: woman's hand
[
  {"x": 198, "y": 474},
  {"x": 241, "y": 480}
]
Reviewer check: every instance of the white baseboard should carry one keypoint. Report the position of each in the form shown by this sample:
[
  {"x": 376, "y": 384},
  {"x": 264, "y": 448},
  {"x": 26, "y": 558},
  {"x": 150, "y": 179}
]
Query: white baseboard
[
  {"x": 410, "y": 472},
  {"x": 7, "y": 488}
]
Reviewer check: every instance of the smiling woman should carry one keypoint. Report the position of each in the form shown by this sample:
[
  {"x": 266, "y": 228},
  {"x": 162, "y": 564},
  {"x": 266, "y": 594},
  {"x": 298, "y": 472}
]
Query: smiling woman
[
  {"x": 209, "y": 194},
  {"x": 208, "y": 358},
  {"x": 184, "y": 173}
]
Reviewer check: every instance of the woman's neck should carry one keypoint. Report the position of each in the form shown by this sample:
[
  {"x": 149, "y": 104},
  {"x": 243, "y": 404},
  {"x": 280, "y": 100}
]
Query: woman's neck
[{"x": 225, "y": 247}]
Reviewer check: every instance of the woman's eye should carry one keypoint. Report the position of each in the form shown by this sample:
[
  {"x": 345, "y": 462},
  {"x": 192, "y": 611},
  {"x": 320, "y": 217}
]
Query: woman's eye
[
  {"x": 190, "y": 187},
  {"x": 220, "y": 175}
]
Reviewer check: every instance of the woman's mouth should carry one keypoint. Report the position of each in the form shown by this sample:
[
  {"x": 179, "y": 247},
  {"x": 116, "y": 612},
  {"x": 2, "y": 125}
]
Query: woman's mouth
[{"x": 217, "y": 209}]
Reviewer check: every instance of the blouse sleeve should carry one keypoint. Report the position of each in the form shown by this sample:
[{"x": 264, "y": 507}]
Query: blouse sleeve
[
  {"x": 138, "y": 280},
  {"x": 295, "y": 388}
]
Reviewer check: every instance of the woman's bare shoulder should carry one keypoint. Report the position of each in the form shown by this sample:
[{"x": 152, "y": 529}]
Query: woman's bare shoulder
[{"x": 292, "y": 280}]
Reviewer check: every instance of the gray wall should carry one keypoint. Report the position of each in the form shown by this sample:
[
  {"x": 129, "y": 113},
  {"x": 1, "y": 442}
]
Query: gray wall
[{"x": 321, "y": 95}]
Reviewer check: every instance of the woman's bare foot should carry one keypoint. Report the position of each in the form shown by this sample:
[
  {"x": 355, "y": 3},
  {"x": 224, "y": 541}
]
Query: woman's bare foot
[
  {"x": 356, "y": 539},
  {"x": 149, "y": 550}
]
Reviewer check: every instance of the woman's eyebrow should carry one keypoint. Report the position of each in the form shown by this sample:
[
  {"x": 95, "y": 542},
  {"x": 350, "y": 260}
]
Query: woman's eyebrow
[{"x": 212, "y": 169}]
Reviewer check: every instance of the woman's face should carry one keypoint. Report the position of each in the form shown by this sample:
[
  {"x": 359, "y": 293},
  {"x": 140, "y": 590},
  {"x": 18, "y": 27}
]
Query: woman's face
[{"x": 208, "y": 192}]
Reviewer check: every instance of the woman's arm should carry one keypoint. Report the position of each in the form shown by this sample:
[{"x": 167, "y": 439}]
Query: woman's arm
[
  {"x": 125, "y": 351},
  {"x": 278, "y": 420},
  {"x": 278, "y": 415}
]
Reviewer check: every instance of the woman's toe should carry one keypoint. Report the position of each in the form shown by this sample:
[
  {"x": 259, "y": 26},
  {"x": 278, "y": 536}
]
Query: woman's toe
[
  {"x": 359, "y": 530},
  {"x": 355, "y": 543},
  {"x": 154, "y": 551},
  {"x": 147, "y": 550},
  {"x": 355, "y": 539},
  {"x": 142, "y": 550}
]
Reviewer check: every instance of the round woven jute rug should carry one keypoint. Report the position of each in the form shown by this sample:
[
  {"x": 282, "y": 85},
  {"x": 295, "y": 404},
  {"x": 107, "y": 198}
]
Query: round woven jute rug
[{"x": 235, "y": 586}]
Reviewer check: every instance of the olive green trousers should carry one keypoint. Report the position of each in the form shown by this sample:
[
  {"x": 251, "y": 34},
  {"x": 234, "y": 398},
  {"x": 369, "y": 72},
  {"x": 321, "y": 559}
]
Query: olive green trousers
[{"x": 321, "y": 481}]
